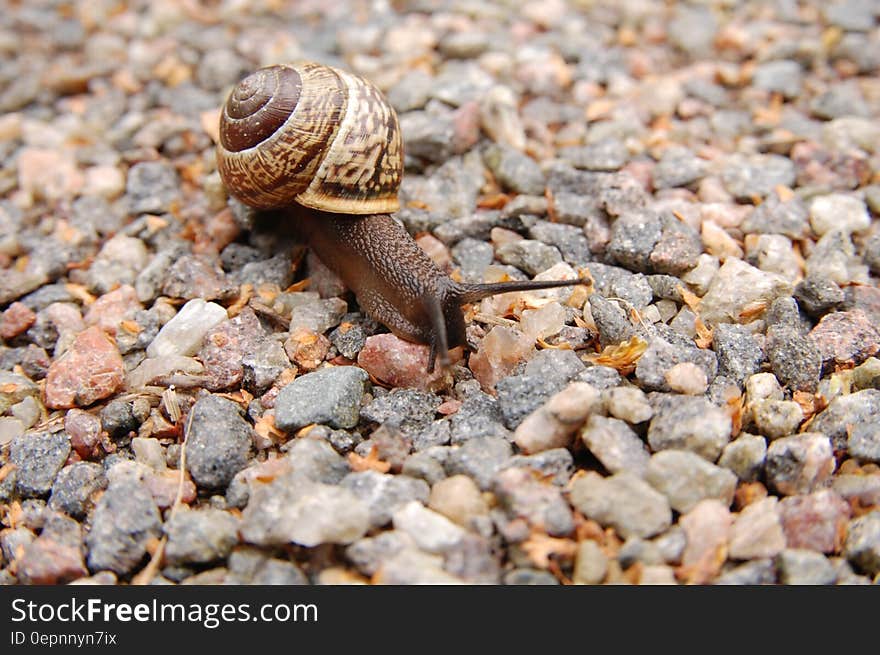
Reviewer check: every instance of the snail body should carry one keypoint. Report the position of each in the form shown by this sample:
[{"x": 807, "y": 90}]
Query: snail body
[{"x": 324, "y": 146}]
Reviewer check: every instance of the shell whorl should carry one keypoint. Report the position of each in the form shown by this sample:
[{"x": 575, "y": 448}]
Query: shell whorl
[{"x": 314, "y": 135}]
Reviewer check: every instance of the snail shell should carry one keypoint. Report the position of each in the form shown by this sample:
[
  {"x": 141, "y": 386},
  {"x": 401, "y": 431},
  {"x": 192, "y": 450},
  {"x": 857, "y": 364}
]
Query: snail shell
[{"x": 312, "y": 134}]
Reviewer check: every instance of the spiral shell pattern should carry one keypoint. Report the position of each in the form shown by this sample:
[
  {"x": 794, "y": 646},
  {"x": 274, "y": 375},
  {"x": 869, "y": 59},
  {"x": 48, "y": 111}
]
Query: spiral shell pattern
[{"x": 314, "y": 135}]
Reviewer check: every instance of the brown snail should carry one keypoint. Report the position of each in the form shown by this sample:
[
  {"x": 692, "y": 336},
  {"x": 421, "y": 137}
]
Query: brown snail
[{"x": 325, "y": 146}]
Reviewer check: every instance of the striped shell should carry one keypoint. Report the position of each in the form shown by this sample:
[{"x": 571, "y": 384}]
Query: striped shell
[{"x": 312, "y": 134}]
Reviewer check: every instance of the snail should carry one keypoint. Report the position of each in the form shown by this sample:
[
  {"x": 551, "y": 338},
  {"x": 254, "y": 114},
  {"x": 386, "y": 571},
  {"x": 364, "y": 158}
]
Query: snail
[{"x": 324, "y": 146}]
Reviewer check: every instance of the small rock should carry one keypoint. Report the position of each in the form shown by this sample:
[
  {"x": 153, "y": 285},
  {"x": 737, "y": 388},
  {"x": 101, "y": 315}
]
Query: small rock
[
  {"x": 864, "y": 441},
  {"x": 84, "y": 430},
  {"x": 853, "y": 409},
  {"x": 777, "y": 418},
  {"x": 218, "y": 442},
  {"x": 759, "y": 571},
  {"x": 200, "y": 536},
  {"x": 746, "y": 176},
  {"x": 838, "y": 212},
  {"x": 459, "y": 499},
  {"x": 183, "y": 334},
  {"x": 330, "y": 395},
  {"x": 432, "y": 532},
  {"x": 530, "y": 256},
  {"x": 124, "y": 521},
  {"x": 17, "y": 318},
  {"x": 745, "y": 457},
  {"x": 706, "y": 527},
  {"x": 152, "y": 186},
  {"x": 399, "y": 363},
  {"x": 293, "y": 509},
  {"x": 804, "y": 567},
  {"x": 514, "y": 170},
  {"x": 687, "y": 378},
  {"x": 685, "y": 479},
  {"x": 479, "y": 459},
  {"x": 623, "y": 501},
  {"x": 529, "y": 577},
  {"x": 739, "y": 353},
  {"x": 757, "y": 531},
  {"x": 794, "y": 358},
  {"x": 689, "y": 423},
  {"x": 780, "y": 76},
  {"x": 845, "y": 337},
  {"x": 629, "y": 404},
  {"x": 739, "y": 293},
  {"x": 46, "y": 561},
  {"x": 798, "y": 464},
  {"x": 662, "y": 355},
  {"x": 591, "y": 564},
  {"x": 553, "y": 424},
  {"x": 249, "y": 565},
  {"x": 384, "y": 493},
  {"x": 815, "y": 521},
  {"x": 522, "y": 495},
  {"x": 90, "y": 370},
  {"x": 224, "y": 348},
  {"x": 817, "y": 295},
  {"x": 862, "y": 546},
  {"x": 76, "y": 487},
  {"x": 615, "y": 445},
  {"x": 120, "y": 261},
  {"x": 37, "y": 459}
]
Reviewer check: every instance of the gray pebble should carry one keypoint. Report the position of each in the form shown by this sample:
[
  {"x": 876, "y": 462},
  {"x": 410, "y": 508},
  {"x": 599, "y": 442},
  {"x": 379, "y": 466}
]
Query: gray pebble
[
  {"x": 262, "y": 364},
  {"x": 568, "y": 239},
  {"x": 218, "y": 442},
  {"x": 797, "y": 566},
  {"x": 555, "y": 464},
  {"x": 862, "y": 546},
  {"x": 738, "y": 352},
  {"x": 623, "y": 501},
  {"x": 409, "y": 410},
  {"x": 530, "y": 256},
  {"x": 864, "y": 441},
  {"x": 853, "y": 409},
  {"x": 745, "y": 456},
  {"x": 633, "y": 237},
  {"x": 384, "y": 494},
  {"x": 794, "y": 358},
  {"x": 686, "y": 479},
  {"x": 775, "y": 216},
  {"x": 200, "y": 536},
  {"x": 615, "y": 445},
  {"x": 37, "y": 458},
  {"x": 479, "y": 416},
  {"x": 125, "y": 520},
  {"x": 522, "y": 495},
  {"x": 317, "y": 460},
  {"x": 524, "y": 576},
  {"x": 252, "y": 566},
  {"x": 746, "y": 176},
  {"x": 611, "y": 320},
  {"x": 75, "y": 487},
  {"x": 368, "y": 554},
  {"x": 608, "y": 154},
  {"x": 799, "y": 464},
  {"x": 151, "y": 187},
  {"x": 755, "y": 572},
  {"x": 783, "y": 76},
  {"x": 678, "y": 167},
  {"x": 330, "y": 395}
]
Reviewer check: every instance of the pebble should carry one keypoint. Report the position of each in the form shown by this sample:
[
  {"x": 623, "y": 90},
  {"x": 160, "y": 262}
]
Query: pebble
[
  {"x": 591, "y": 563},
  {"x": 76, "y": 487},
  {"x": 758, "y": 531},
  {"x": 478, "y": 416},
  {"x": 689, "y": 423},
  {"x": 686, "y": 479},
  {"x": 853, "y": 409},
  {"x": 862, "y": 546},
  {"x": 293, "y": 509},
  {"x": 152, "y": 187},
  {"x": 799, "y": 464},
  {"x": 530, "y": 256},
  {"x": 263, "y": 364},
  {"x": 740, "y": 292},
  {"x": 479, "y": 459},
  {"x": 398, "y": 363},
  {"x": 37, "y": 457},
  {"x": 249, "y": 565},
  {"x": 629, "y": 404},
  {"x": 183, "y": 334},
  {"x": 120, "y": 261},
  {"x": 51, "y": 561},
  {"x": 739, "y": 353},
  {"x": 330, "y": 396},
  {"x": 706, "y": 527},
  {"x": 782, "y": 76},
  {"x": 412, "y": 566},
  {"x": 615, "y": 445},
  {"x": 776, "y": 418},
  {"x": 863, "y": 489},
  {"x": 218, "y": 442},
  {"x": 794, "y": 358},
  {"x": 622, "y": 501},
  {"x": 195, "y": 277},
  {"x": 523, "y": 496},
  {"x": 553, "y": 424},
  {"x": 844, "y": 337},
  {"x": 686, "y": 378},
  {"x": 370, "y": 553},
  {"x": 864, "y": 441},
  {"x": 804, "y": 567},
  {"x": 838, "y": 212},
  {"x": 746, "y": 176},
  {"x": 120, "y": 417},
  {"x": 755, "y": 572},
  {"x": 199, "y": 536},
  {"x": 124, "y": 521},
  {"x": 84, "y": 430},
  {"x": 385, "y": 493},
  {"x": 459, "y": 499},
  {"x": 815, "y": 521},
  {"x": 90, "y": 370},
  {"x": 17, "y": 318},
  {"x": 633, "y": 237},
  {"x": 224, "y": 347},
  {"x": 745, "y": 457},
  {"x": 555, "y": 465},
  {"x": 817, "y": 295},
  {"x": 513, "y": 170},
  {"x": 432, "y": 532}
]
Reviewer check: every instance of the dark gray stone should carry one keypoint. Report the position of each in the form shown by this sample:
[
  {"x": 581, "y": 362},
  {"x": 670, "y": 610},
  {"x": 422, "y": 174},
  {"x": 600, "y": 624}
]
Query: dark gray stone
[
  {"x": 75, "y": 487},
  {"x": 252, "y": 566},
  {"x": 689, "y": 423},
  {"x": 200, "y": 536},
  {"x": 38, "y": 457},
  {"x": 218, "y": 442},
  {"x": 514, "y": 170},
  {"x": 125, "y": 520},
  {"x": 738, "y": 352},
  {"x": 330, "y": 395},
  {"x": 479, "y": 459},
  {"x": 633, "y": 237}
]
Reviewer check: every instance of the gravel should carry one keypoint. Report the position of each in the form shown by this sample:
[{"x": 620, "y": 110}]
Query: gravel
[{"x": 709, "y": 174}]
